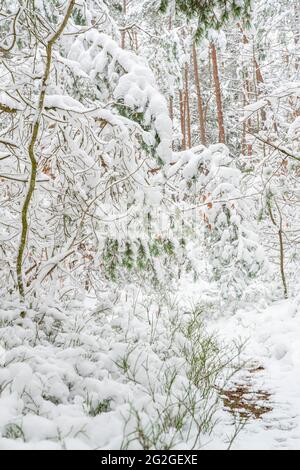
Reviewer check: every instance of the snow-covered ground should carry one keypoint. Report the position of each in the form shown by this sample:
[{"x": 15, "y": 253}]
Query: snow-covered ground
[
  {"x": 273, "y": 344},
  {"x": 272, "y": 353},
  {"x": 81, "y": 381}
]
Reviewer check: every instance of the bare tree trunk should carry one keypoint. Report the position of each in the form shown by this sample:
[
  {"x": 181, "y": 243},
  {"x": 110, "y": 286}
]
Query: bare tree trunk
[
  {"x": 31, "y": 150},
  {"x": 171, "y": 99},
  {"x": 247, "y": 90},
  {"x": 199, "y": 97},
  {"x": 297, "y": 32},
  {"x": 123, "y": 35},
  {"x": 218, "y": 94},
  {"x": 171, "y": 108},
  {"x": 187, "y": 107},
  {"x": 171, "y": 112},
  {"x": 135, "y": 41},
  {"x": 259, "y": 77},
  {"x": 247, "y": 125},
  {"x": 259, "y": 82},
  {"x": 182, "y": 119},
  {"x": 281, "y": 246}
]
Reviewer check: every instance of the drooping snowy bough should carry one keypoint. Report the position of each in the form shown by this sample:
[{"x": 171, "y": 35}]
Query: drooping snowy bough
[
  {"x": 221, "y": 215},
  {"x": 82, "y": 126},
  {"x": 90, "y": 186}
]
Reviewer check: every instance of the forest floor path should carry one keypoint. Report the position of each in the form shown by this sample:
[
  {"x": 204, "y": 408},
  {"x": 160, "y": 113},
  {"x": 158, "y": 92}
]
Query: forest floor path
[
  {"x": 266, "y": 393},
  {"x": 272, "y": 379}
]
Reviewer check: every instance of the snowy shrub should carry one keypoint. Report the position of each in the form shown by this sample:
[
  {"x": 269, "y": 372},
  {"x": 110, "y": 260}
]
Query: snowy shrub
[
  {"x": 214, "y": 187},
  {"x": 101, "y": 126},
  {"x": 142, "y": 376},
  {"x": 110, "y": 229}
]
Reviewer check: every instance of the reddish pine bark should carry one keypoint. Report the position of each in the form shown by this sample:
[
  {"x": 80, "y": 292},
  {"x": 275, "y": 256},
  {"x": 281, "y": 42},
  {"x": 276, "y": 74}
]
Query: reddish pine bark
[
  {"x": 199, "y": 97},
  {"x": 218, "y": 94}
]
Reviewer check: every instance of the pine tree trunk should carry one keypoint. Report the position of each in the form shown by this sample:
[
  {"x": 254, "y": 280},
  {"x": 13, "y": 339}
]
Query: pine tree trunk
[
  {"x": 182, "y": 119},
  {"x": 171, "y": 99},
  {"x": 171, "y": 108},
  {"x": 297, "y": 32},
  {"x": 199, "y": 97},
  {"x": 247, "y": 148},
  {"x": 218, "y": 94},
  {"x": 123, "y": 35},
  {"x": 187, "y": 107}
]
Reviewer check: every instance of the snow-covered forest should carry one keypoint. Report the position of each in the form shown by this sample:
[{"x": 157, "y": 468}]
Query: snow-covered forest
[{"x": 149, "y": 224}]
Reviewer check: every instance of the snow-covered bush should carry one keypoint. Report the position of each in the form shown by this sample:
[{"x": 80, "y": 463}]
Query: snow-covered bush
[
  {"x": 131, "y": 373},
  {"x": 83, "y": 126},
  {"x": 275, "y": 176},
  {"x": 214, "y": 188}
]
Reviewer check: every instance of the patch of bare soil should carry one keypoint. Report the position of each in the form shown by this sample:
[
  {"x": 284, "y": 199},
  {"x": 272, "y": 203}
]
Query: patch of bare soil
[{"x": 245, "y": 401}]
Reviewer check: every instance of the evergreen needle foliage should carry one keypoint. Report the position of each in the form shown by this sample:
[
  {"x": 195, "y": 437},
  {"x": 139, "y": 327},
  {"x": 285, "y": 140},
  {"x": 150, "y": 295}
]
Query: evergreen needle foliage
[{"x": 211, "y": 14}]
